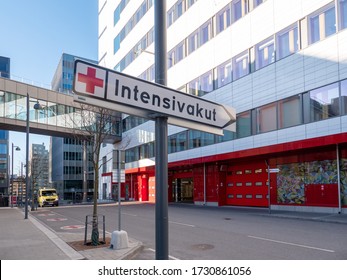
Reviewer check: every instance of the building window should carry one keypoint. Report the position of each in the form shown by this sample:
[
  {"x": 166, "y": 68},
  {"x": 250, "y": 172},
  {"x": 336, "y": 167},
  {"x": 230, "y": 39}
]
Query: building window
[
  {"x": 170, "y": 16},
  {"x": 287, "y": 42},
  {"x": 116, "y": 15},
  {"x": 202, "y": 85},
  {"x": 205, "y": 32},
  {"x": 239, "y": 9},
  {"x": 241, "y": 65},
  {"x": 193, "y": 87},
  {"x": 289, "y": 112},
  {"x": 265, "y": 118},
  {"x": 322, "y": 25},
  {"x": 180, "y": 52},
  {"x": 191, "y": 2},
  {"x": 256, "y": 3},
  {"x": 194, "y": 139},
  {"x": 343, "y": 13},
  {"x": 104, "y": 164},
  {"x": 180, "y": 8},
  {"x": 344, "y": 97},
  {"x": 265, "y": 53},
  {"x": 324, "y": 102},
  {"x": 177, "y": 54},
  {"x": 243, "y": 124},
  {"x": 178, "y": 142},
  {"x": 116, "y": 44},
  {"x": 223, "y": 19},
  {"x": 193, "y": 42},
  {"x": 171, "y": 58},
  {"x": 206, "y": 83},
  {"x": 143, "y": 151},
  {"x": 3, "y": 148},
  {"x": 224, "y": 74}
]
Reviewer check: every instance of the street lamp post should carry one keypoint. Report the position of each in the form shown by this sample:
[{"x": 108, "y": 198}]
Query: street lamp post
[
  {"x": 17, "y": 149},
  {"x": 27, "y": 160},
  {"x": 37, "y": 106}
]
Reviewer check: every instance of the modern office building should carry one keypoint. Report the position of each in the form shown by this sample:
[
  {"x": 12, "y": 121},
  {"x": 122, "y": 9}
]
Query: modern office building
[
  {"x": 39, "y": 167},
  {"x": 281, "y": 64},
  {"x": 5, "y": 63},
  {"x": 4, "y": 163},
  {"x": 4, "y": 136},
  {"x": 66, "y": 159}
]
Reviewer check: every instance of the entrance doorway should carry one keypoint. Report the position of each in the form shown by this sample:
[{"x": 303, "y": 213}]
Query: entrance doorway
[{"x": 183, "y": 190}]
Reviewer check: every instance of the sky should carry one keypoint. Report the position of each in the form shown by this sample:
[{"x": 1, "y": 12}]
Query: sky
[{"x": 34, "y": 34}]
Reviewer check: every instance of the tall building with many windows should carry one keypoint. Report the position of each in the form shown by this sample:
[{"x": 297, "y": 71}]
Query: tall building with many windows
[
  {"x": 39, "y": 167},
  {"x": 5, "y": 63},
  {"x": 67, "y": 154},
  {"x": 281, "y": 64},
  {"x": 4, "y": 136}
]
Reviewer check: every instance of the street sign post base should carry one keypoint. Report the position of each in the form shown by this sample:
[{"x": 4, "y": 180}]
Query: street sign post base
[{"x": 119, "y": 240}]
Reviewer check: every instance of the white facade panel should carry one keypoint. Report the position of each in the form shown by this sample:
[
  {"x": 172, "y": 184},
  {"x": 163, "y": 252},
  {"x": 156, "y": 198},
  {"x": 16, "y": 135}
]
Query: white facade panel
[
  {"x": 313, "y": 66},
  {"x": 290, "y": 77},
  {"x": 291, "y": 134},
  {"x": 321, "y": 63},
  {"x": 243, "y": 94},
  {"x": 264, "y": 86},
  {"x": 342, "y": 47}
]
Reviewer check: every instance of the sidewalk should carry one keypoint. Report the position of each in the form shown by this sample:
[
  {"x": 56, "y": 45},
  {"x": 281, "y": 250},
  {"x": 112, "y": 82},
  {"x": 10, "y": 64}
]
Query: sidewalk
[
  {"x": 28, "y": 239},
  {"x": 22, "y": 239}
]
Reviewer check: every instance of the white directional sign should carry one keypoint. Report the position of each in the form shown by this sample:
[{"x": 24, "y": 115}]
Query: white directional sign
[{"x": 110, "y": 89}]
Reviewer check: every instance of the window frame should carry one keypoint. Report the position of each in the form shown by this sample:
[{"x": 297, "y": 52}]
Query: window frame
[
  {"x": 263, "y": 47},
  {"x": 320, "y": 17},
  {"x": 293, "y": 35}
]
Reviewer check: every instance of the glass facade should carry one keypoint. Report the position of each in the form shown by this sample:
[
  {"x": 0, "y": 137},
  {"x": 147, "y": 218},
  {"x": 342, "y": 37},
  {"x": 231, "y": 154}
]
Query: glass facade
[{"x": 316, "y": 105}]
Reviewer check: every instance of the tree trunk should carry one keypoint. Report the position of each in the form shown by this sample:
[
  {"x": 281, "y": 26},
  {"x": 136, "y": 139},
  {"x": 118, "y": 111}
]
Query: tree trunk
[{"x": 95, "y": 224}]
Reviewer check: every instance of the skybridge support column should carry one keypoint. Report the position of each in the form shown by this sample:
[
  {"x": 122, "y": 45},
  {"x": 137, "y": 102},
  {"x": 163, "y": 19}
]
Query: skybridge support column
[{"x": 161, "y": 134}]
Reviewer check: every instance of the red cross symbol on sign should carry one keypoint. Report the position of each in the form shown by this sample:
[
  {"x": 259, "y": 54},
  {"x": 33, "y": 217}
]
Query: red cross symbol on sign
[{"x": 90, "y": 80}]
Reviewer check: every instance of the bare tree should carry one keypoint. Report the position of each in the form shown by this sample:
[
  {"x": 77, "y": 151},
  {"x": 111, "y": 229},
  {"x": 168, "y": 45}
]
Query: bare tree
[{"x": 96, "y": 125}]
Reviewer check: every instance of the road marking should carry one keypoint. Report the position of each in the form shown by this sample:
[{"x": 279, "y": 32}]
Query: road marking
[
  {"x": 171, "y": 257},
  {"x": 292, "y": 244},
  {"x": 133, "y": 215},
  {"x": 56, "y": 220},
  {"x": 72, "y": 227},
  {"x": 181, "y": 224}
]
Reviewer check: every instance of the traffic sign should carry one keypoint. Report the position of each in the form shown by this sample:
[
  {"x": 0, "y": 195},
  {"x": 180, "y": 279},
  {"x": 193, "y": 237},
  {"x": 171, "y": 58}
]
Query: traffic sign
[{"x": 106, "y": 88}]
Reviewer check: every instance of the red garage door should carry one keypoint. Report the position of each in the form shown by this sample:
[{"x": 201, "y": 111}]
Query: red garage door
[{"x": 247, "y": 185}]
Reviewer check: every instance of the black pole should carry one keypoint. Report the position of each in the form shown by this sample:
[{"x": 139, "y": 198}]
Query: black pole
[
  {"x": 161, "y": 128},
  {"x": 27, "y": 159}
]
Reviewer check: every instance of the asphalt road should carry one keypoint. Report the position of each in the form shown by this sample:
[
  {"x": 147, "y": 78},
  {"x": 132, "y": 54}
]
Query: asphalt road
[{"x": 213, "y": 233}]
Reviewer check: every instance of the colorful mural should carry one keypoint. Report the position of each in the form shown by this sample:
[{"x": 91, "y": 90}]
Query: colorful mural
[
  {"x": 292, "y": 178},
  {"x": 290, "y": 184},
  {"x": 343, "y": 180}
]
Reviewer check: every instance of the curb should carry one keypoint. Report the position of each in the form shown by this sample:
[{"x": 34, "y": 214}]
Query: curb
[
  {"x": 61, "y": 244},
  {"x": 133, "y": 252}
]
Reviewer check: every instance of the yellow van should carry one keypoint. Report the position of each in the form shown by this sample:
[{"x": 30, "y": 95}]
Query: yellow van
[{"x": 47, "y": 197}]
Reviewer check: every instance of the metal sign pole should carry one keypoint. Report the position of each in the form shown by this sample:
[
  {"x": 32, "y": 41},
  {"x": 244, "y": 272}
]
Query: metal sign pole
[
  {"x": 161, "y": 134},
  {"x": 119, "y": 190}
]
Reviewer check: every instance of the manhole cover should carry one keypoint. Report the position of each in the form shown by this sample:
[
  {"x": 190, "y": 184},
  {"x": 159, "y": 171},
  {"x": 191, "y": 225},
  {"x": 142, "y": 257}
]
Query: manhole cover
[{"x": 202, "y": 247}]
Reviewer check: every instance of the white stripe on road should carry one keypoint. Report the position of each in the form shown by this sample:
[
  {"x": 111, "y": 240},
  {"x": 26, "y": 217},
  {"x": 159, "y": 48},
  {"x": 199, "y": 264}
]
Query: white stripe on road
[
  {"x": 292, "y": 244},
  {"x": 181, "y": 224},
  {"x": 170, "y": 257},
  {"x": 128, "y": 214}
]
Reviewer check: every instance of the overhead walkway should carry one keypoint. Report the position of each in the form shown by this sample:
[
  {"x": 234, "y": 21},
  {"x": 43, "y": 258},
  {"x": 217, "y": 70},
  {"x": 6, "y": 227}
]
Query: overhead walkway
[{"x": 58, "y": 115}]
